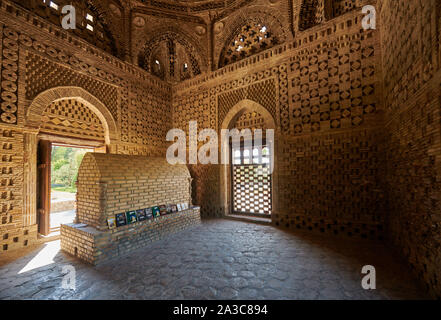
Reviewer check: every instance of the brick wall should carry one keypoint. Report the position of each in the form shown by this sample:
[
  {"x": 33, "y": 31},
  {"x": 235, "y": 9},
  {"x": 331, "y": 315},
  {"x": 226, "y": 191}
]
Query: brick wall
[
  {"x": 324, "y": 93},
  {"x": 410, "y": 32},
  {"x": 36, "y": 56},
  {"x": 109, "y": 184},
  {"x": 95, "y": 247}
]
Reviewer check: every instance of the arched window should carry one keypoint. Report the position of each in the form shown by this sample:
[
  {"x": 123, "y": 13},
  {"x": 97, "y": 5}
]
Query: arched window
[
  {"x": 251, "y": 39},
  {"x": 90, "y": 24},
  {"x": 157, "y": 68}
]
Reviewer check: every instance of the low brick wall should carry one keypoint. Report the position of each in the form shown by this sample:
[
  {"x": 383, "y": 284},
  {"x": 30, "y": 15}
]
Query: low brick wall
[
  {"x": 60, "y": 206},
  {"x": 95, "y": 247}
]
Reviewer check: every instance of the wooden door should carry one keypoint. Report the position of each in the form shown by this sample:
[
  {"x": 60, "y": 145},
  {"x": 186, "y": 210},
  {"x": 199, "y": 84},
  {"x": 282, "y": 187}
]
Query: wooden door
[{"x": 44, "y": 186}]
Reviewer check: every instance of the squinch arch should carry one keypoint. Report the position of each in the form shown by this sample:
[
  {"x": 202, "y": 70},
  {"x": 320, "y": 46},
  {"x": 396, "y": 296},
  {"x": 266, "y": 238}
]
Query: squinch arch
[{"x": 43, "y": 100}]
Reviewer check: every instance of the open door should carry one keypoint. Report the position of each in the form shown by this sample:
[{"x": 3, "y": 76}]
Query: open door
[{"x": 44, "y": 186}]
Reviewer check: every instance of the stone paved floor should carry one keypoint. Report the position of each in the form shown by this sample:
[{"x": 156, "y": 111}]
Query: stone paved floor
[{"x": 220, "y": 259}]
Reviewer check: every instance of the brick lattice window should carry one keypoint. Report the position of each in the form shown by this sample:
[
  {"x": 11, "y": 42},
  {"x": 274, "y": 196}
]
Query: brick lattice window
[{"x": 252, "y": 38}]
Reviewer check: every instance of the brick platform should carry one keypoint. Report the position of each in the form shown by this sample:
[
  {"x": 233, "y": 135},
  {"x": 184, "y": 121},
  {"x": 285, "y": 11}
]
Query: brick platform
[{"x": 94, "y": 246}]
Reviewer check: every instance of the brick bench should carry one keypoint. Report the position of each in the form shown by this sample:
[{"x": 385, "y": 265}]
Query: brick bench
[{"x": 94, "y": 246}]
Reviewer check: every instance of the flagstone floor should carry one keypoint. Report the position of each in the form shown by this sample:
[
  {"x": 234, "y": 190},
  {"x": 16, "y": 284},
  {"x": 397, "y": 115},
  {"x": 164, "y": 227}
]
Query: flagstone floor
[{"x": 221, "y": 259}]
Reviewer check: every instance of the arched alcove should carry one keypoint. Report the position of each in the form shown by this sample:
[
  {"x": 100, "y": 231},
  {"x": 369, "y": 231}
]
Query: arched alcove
[
  {"x": 36, "y": 111},
  {"x": 234, "y": 119}
]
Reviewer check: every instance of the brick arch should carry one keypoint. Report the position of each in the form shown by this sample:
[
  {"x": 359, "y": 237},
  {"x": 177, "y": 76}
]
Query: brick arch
[
  {"x": 230, "y": 119},
  {"x": 247, "y": 105},
  {"x": 243, "y": 17},
  {"x": 113, "y": 25},
  {"x": 36, "y": 110}
]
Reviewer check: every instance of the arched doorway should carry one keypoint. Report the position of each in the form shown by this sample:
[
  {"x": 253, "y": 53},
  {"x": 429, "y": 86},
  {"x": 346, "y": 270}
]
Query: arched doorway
[
  {"x": 248, "y": 183},
  {"x": 69, "y": 118}
]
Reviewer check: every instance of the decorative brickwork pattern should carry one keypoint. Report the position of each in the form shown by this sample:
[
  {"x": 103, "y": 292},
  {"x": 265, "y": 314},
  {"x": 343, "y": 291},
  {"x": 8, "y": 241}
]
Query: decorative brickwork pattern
[
  {"x": 42, "y": 74},
  {"x": 251, "y": 189},
  {"x": 250, "y": 120},
  {"x": 263, "y": 92},
  {"x": 252, "y": 38},
  {"x": 93, "y": 30},
  {"x": 11, "y": 181},
  {"x": 333, "y": 87},
  {"x": 411, "y": 63},
  {"x": 340, "y": 7},
  {"x": 335, "y": 176},
  {"x": 410, "y": 49},
  {"x": 414, "y": 184},
  {"x": 206, "y": 189},
  {"x": 145, "y": 116},
  {"x": 9, "y": 76},
  {"x": 72, "y": 118}
]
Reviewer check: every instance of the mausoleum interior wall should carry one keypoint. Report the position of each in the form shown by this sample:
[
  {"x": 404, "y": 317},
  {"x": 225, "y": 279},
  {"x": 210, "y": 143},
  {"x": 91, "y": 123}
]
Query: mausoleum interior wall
[
  {"x": 356, "y": 111},
  {"x": 410, "y": 37},
  {"x": 43, "y": 65}
]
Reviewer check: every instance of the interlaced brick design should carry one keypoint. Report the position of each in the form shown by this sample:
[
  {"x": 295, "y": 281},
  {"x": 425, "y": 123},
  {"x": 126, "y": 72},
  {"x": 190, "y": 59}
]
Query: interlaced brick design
[
  {"x": 251, "y": 189},
  {"x": 72, "y": 118},
  {"x": 42, "y": 74}
]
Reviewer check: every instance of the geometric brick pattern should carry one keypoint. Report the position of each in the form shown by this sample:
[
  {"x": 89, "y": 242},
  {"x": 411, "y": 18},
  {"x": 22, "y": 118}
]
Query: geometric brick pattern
[
  {"x": 93, "y": 30},
  {"x": 332, "y": 88},
  {"x": 250, "y": 120},
  {"x": 9, "y": 77},
  {"x": 192, "y": 108},
  {"x": 342, "y": 6},
  {"x": 333, "y": 176},
  {"x": 405, "y": 44},
  {"x": 251, "y": 39},
  {"x": 145, "y": 116},
  {"x": 72, "y": 118},
  {"x": 251, "y": 189},
  {"x": 263, "y": 92},
  {"x": 411, "y": 68},
  {"x": 205, "y": 188},
  {"x": 11, "y": 171},
  {"x": 42, "y": 74}
]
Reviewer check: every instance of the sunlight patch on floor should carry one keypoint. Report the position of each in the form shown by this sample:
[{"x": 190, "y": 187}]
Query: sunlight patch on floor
[{"x": 44, "y": 257}]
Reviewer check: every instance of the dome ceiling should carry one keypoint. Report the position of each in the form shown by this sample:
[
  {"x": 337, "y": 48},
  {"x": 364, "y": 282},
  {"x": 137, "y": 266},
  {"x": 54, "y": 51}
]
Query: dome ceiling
[{"x": 179, "y": 39}]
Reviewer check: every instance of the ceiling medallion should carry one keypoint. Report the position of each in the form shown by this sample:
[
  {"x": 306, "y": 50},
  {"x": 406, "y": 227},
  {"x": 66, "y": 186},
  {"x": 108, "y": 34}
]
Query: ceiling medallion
[
  {"x": 139, "y": 22},
  {"x": 200, "y": 30},
  {"x": 114, "y": 9},
  {"x": 218, "y": 27}
]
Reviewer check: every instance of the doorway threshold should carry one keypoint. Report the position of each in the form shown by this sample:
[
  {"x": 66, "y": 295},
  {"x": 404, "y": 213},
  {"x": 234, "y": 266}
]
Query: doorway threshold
[
  {"x": 54, "y": 235},
  {"x": 252, "y": 219}
]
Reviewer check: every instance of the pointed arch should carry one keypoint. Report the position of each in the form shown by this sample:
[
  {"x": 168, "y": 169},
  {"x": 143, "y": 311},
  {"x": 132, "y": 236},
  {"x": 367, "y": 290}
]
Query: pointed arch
[
  {"x": 248, "y": 21},
  {"x": 243, "y": 106},
  {"x": 36, "y": 110},
  {"x": 247, "y": 105}
]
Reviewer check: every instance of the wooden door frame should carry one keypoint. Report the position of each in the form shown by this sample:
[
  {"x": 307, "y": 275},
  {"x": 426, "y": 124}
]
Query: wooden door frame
[
  {"x": 44, "y": 171},
  {"x": 44, "y": 151}
]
